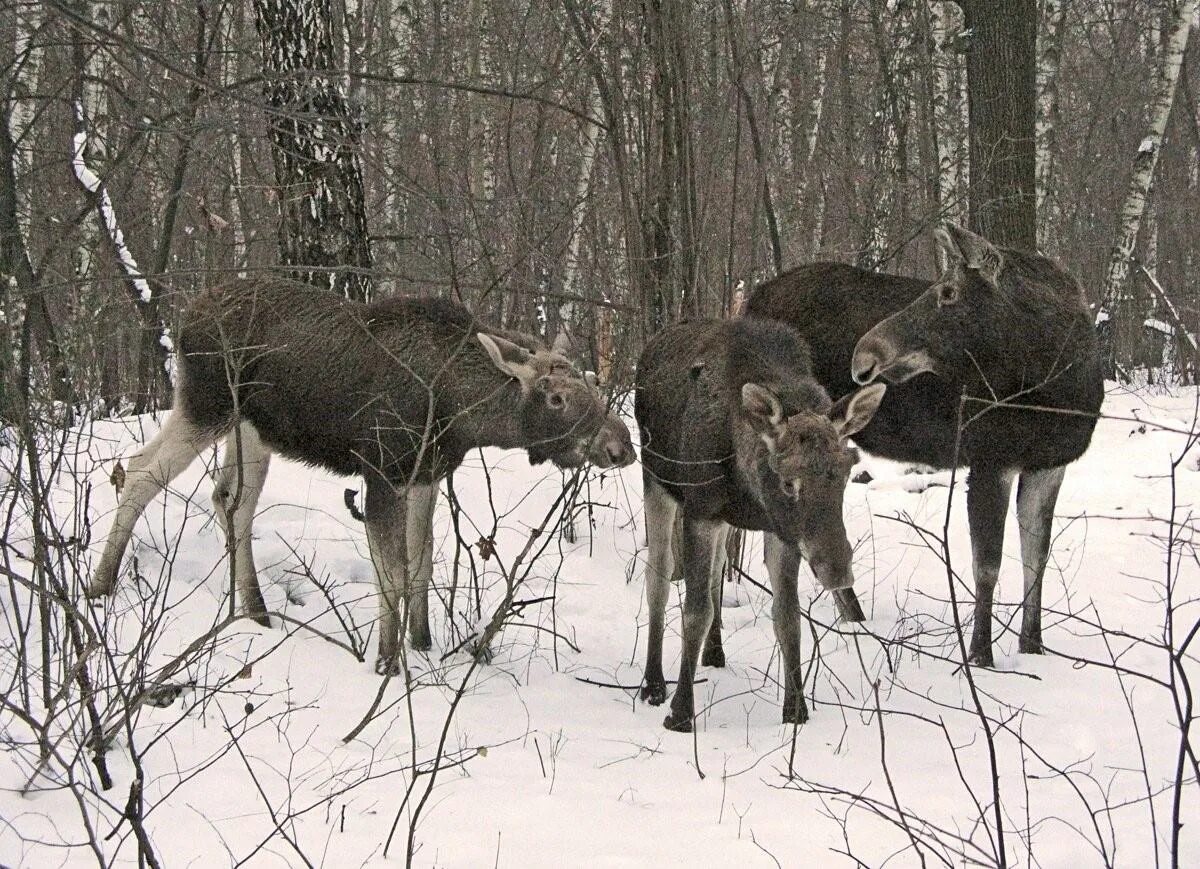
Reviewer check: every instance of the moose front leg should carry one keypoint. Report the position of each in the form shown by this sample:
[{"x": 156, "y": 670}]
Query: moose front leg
[
  {"x": 660, "y": 509},
  {"x": 385, "y": 521},
  {"x": 783, "y": 566},
  {"x": 1037, "y": 493},
  {"x": 987, "y": 509},
  {"x": 714, "y": 649},
  {"x": 150, "y": 471},
  {"x": 700, "y": 544}
]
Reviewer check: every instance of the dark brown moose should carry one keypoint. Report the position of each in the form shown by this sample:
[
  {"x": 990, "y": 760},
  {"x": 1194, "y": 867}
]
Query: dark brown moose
[
  {"x": 737, "y": 433},
  {"x": 397, "y": 391},
  {"x": 611, "y": 447},
  {"x": 1005, "y": 332}
]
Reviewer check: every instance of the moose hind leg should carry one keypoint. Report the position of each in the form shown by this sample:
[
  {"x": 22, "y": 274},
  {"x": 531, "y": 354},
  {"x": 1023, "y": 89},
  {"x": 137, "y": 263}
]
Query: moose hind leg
[
  {"x": 987, "y": 510},
  {"x": 422, "y": 501},
  {"x": 1037, "y": 493},
  {"x": 699, "y": 552},
  {"x": 714, "y": 649},
  {"x": 237, "y": 490},
  {"x": 150, "y": 471},
  {"x": 385, "y": 524},
  {"x": 783, "y": 566},
  {"x": 660, "y": 514}
]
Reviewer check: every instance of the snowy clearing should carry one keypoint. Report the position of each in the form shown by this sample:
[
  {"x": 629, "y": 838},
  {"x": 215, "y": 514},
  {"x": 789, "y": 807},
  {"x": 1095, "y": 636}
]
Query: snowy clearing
[{"x": 541, "y": 766}]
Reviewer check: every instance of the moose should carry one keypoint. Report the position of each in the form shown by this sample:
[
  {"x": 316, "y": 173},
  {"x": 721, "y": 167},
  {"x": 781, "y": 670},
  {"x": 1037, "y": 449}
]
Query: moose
[
  {"x": 993, "y": 367},
  {"x": 242, "y": 482},
  {"x": 736, "y": 432},
  {"x": 396, "y": 391}
]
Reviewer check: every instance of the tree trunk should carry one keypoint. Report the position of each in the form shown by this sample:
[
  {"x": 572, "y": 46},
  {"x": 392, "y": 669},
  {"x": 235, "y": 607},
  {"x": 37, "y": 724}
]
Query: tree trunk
[
  {"x": 1050, "y": 39},
  {"x": 756, "y": 143},
  {"x": 1117, "y": 299},
  {"x": 671, "y": 217},
  {"x": 612, "y": 103},
  {"x": 156, "y": 350},
  {"x": 315, "y": 147},
  {"x": 21, "y": 287},
  {"x": 590, "y": 135},
  {"x": 1002, "y": 106}
]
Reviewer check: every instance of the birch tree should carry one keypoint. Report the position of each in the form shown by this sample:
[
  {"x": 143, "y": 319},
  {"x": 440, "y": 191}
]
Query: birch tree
[
  {"x": 315, "y": 147},
  {"x": 1116, "y": 289},
  {"x": 156, "y": 353},
  {"x": 1052, "y": 21}
]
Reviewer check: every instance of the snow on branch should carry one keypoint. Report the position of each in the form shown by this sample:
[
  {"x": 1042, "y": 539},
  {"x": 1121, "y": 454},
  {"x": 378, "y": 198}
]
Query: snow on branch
[{"x": 93, "y": 184}]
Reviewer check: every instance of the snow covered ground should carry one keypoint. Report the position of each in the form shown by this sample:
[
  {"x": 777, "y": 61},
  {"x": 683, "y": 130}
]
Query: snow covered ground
[{"x": 542, "y": 766}]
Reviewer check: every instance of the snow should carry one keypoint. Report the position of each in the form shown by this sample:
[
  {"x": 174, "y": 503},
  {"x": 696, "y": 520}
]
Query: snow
[
  {"x": 1147, "y": 145},
  {"x": 1159, "y": 326},
  {"x": 554, "y": 771}
]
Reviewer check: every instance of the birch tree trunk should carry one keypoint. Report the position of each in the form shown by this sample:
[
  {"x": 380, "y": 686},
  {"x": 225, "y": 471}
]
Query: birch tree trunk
[
  {"x": 156, "y": 351},
  {"x": 1050, "y": 36},
  {"x": 315, "y": 147},
  {"x": 612, "y": 102},
  {"x": 806, "y": 121},
  {"x": 25, "y": 321},
  {"x": 948, "y": 113},
  {"x": 579, "y": 204},
  {"x": 1118, "y": 301}
]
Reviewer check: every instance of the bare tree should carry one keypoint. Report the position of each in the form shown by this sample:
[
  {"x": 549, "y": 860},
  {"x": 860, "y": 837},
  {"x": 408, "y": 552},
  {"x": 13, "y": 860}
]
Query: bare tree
[
  {"x": 1116, "y": 281},
  {"x": 1052, "y": 24},
  {"x": 1001, "y": 86}
]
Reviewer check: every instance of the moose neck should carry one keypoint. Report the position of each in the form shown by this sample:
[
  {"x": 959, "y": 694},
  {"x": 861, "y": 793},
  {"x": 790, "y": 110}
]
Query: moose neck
[
  {"x": 488, "y": 416},
  {"x": 750, "y": 460}
]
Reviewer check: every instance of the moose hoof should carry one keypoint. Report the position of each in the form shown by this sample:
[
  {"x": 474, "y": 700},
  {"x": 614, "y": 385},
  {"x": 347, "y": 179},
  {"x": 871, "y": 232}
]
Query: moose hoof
[
  {"x": 1031, "y": 646},
  {"x": 387, "y": 667},
  {"x": 421, "y": 644},
  {"x": 654, "y": 693},
  {"x": 678, "y": 723},
  {"x": 713, "y": 657}
]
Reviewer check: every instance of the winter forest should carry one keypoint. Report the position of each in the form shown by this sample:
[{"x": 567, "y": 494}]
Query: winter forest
[{"x": 405, "y": 405}]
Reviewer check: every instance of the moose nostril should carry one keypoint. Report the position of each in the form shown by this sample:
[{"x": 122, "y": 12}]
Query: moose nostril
[{"x": 867, "y": 362}]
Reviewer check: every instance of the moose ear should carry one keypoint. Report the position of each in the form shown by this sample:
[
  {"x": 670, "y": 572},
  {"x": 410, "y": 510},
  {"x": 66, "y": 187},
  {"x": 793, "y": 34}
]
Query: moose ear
[
  {"x": 973, "y": 251},
  {"x": 851, "y": 413},
  {"x": 591, "y": 379},
  {"x": 764, "y": 411},
  {"x": 510, "y": 358}
]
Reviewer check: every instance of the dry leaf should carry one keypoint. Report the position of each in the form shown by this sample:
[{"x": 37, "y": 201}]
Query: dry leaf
[
  {"x": 487, "y": 547},
  {"x": 117, "y": 477},
  {"x": 244, "y": 673}
]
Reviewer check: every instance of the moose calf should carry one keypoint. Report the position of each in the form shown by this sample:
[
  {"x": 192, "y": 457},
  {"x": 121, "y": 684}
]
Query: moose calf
[
  {"x": 737, "y": 433},
  {"x": 397, "y": 392}
]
